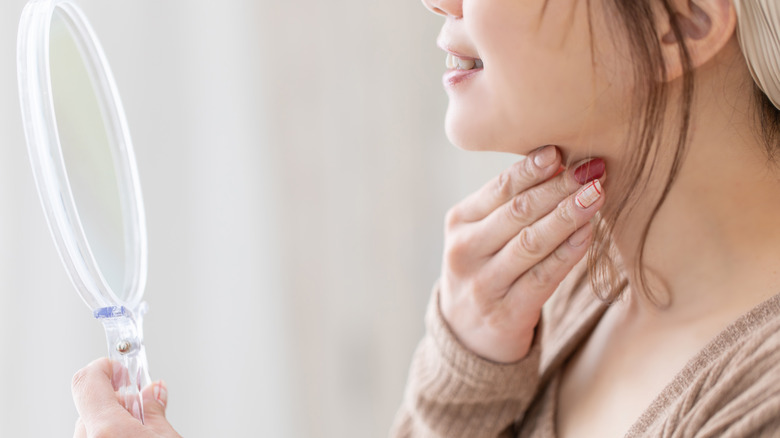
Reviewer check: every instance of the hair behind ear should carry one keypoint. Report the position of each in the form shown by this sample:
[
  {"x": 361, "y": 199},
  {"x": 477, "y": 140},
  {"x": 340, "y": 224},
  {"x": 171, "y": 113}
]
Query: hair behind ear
[{"x": 759, "y": 36}]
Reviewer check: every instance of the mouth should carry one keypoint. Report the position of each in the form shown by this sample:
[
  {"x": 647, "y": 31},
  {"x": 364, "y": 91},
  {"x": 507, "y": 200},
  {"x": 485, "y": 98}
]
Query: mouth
[{"x": 460, "y": 68}]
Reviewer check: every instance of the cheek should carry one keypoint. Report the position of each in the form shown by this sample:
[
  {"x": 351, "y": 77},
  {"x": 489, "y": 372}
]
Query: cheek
[
  {"x": 540, "y": 85},
  {"x": 522, "y": 100},
  {"x": 541, "y": 97}
]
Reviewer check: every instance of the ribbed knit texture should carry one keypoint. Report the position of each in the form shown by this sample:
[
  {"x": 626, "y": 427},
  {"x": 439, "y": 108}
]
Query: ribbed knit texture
[
  {"x": 729, "y": 389},
  {"x": 455, "y": 393}
]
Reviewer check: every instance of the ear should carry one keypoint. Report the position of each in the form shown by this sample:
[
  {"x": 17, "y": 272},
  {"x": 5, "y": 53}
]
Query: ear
[{"x": 706, "y": 26}]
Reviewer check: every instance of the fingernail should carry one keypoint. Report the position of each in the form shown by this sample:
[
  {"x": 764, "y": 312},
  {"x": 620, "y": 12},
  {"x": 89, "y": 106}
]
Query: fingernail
[
  {"x": 587, "y": 172},
  {"x": 580, "y": 236},
  {"x": 589, "y": 194},
  {"x": 545, "y": 157},
  {"x": 161, "y": 393}
]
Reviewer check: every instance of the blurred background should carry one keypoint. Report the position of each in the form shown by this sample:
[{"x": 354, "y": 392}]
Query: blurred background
[{"x": 296, "y": 175}]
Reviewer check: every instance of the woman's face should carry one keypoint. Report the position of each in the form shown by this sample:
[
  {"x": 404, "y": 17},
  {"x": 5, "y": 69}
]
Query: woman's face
[{"x": 542, "y": 75}]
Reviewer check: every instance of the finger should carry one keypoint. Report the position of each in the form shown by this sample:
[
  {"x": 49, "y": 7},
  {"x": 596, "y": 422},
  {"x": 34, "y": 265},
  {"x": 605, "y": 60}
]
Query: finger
[
  {"x": 81, "y": 431},
  {"x": 529, "y": 206},
  {"x": 535, "y": 242},
  {"x": 155, "y": 397},
  {"x": 534, "y": 288},
  {"x": 537, "y": 167},
  {"x": 94, "y": 389}
]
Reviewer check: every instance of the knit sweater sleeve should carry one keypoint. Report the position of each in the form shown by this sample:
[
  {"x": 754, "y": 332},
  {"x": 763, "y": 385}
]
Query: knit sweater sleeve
[{"x": 452, "y": 392}]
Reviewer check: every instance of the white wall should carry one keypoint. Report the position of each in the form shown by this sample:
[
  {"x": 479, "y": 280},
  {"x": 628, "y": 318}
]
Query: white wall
[{"x": 295, "y": 175}]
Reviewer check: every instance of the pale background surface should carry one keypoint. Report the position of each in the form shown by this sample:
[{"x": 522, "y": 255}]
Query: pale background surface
[{"x": 295, "y": 174}]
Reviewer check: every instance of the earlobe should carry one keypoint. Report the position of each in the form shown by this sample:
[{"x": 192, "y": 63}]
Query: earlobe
[{"x": 705, "y": 26}]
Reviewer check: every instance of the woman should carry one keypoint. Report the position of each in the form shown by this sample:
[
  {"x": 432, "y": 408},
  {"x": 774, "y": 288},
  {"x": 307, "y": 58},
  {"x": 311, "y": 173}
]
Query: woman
[
  {"x": 683, "y": 234},
  {"x": 672, "y": 327}
]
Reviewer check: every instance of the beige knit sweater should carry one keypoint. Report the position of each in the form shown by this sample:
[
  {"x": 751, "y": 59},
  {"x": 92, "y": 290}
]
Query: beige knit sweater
[{"x": 731, "y": 388}]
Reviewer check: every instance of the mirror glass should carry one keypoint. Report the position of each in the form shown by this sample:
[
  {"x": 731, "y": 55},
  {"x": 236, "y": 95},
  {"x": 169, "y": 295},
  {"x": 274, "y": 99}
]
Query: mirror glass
[{"x": 87, "y": 153}]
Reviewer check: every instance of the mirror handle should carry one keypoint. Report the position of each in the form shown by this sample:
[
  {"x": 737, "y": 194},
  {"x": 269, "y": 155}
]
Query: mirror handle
[{"x": 124, "y": 333}]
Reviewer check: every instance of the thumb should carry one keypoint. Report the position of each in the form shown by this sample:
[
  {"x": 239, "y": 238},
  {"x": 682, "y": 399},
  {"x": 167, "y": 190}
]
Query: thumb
[{"x": 155, "y": 398}]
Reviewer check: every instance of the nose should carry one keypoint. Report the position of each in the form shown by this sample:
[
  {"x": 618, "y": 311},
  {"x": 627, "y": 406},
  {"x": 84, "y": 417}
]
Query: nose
[{"x": 446, "y": 8}]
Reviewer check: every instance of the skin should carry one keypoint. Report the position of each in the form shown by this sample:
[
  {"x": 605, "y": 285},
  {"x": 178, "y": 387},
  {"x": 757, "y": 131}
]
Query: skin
[
  {"x": 538, "y": 86},
  {"x": 711, "y": 250},
  {"x": 100, "y": 413}
]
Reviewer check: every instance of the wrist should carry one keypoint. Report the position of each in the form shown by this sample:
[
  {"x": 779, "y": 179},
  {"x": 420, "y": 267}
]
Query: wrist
[{"x": 479, "y": 335}]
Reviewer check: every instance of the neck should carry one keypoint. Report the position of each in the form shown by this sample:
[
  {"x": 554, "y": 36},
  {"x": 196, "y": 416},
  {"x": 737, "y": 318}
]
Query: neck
[{"x": 712, "y": 248}]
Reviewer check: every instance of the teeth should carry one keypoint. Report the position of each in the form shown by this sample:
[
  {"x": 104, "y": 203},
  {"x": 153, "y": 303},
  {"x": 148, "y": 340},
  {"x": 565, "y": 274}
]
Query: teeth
[
  {"x": 454, "y": 62},
  {"x": 465, "y": 64},
  {"x": 451, "y": 63}
]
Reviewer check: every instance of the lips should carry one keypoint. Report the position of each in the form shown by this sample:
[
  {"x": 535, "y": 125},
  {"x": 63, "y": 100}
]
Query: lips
[
  {"x": 462, "y": 60},
  {"x": 460, "y": 67}
]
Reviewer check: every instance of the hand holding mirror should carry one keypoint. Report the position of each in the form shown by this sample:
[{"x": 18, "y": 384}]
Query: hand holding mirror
[{"x": 85, "y": 171}]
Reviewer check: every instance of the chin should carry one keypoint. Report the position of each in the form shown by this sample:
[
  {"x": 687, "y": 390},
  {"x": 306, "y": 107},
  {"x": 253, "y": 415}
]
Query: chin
[
  {"x": 477, "y": 134},
  {"x": 470, "y": 135},
  {"x": 471, "y": 132},
  {"x": 463, "y": 135}
]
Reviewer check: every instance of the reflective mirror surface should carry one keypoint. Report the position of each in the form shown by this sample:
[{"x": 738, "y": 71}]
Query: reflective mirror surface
[{"x": 87, "y": 153}]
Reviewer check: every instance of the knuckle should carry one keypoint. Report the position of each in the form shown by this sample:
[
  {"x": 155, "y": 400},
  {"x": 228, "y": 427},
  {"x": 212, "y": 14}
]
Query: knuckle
[
  {"x": 513, "y": 177},
  {"x": 527, "y": 243},
  {"x": 456, "y": 254},
  {"x": 529, "y": 168},
  {"x": 564, "y": 214},
  {"x": 560, "y": 256},
  {"x": 562, "y": 188},
  {"x": 479, "y": 285},
  {"x": 503, "y": 186},
  {"x": 452, "y": 218},
  {"x": 458, "y": 246},
  {"x": 520, "y": 207},
  {"x": 79, "y": 380},
  {"x": 541, "y": 276}
]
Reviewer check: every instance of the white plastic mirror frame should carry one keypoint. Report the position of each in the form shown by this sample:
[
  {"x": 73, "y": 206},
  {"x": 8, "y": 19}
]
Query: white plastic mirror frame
[{"x": 49, "y": 167}]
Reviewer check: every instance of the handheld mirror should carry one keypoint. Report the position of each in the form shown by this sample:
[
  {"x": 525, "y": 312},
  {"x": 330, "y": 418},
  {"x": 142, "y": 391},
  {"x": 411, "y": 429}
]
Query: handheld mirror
[{"x": 85, "y": 171}]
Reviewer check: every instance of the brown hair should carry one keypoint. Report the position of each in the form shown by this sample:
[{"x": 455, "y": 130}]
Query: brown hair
[{"x": 637, "y": 19}]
